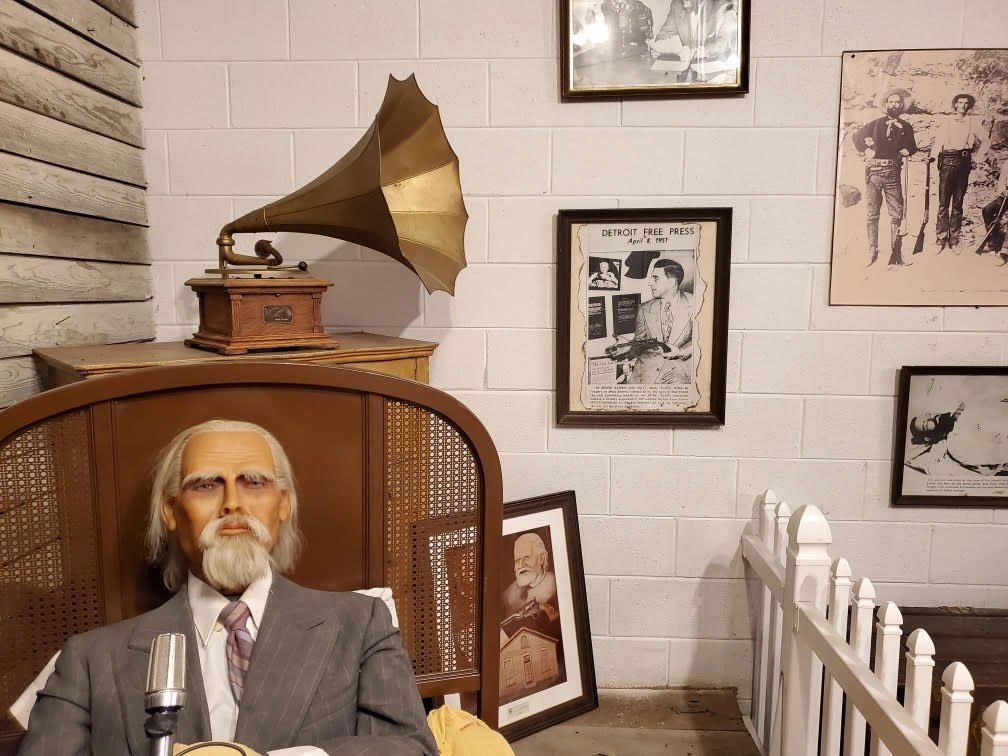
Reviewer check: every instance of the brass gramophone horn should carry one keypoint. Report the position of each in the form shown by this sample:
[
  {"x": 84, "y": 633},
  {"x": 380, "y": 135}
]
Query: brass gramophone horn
[{"x": 396, "y": 191}]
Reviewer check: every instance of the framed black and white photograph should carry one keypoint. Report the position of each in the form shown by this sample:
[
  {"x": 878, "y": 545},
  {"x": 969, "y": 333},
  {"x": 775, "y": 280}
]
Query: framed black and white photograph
[
  {"x": 547, "y": 672},
  {"x": 653, "y": 48},
  {"x": 652, "y": 351},
  {"x": 921, "y": 179},
  {"x": 951, "y": 437},
  {"x": 604, "y": 273}
]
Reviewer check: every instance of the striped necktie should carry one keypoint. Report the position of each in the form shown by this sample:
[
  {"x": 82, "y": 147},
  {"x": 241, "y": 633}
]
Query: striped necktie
[
  {"x": 666, "y": 321},
  {"x": 239, "y": 644}
]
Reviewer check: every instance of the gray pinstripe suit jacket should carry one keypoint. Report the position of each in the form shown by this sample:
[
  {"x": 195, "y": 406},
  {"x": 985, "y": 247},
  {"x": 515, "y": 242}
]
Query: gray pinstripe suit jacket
[{"x": 327, "y": 669}]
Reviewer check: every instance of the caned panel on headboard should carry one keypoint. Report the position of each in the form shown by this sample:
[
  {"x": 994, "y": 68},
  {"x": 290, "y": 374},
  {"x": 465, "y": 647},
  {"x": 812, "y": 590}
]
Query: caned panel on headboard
[
  {"x": 49, "y": 561},
  {"x": 432, "y": 536}
]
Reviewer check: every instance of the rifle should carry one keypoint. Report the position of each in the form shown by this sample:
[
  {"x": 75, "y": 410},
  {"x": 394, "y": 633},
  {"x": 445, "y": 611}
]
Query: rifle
[
  {"x": 997, "y": 219},
  {"x": 634, "y": 349},
  {"x": 896, "y": 257},
  {"x": 919, "y": 245}
]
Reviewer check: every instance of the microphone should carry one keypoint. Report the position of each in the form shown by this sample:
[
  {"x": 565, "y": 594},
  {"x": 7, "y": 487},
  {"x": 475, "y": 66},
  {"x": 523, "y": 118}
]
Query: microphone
[{"x": 165, "y": 694}]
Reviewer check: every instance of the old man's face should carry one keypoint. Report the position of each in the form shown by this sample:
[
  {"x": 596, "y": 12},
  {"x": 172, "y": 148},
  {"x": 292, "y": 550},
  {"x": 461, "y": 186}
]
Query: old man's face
[
  {"x": 228, "y": 498},
  {"x": 528, "y": 559}
]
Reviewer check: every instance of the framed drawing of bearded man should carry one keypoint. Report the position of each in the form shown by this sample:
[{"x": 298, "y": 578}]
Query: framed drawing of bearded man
[
  {"x": 921, "y": 180},
  {"x": 547, "y": 673}
]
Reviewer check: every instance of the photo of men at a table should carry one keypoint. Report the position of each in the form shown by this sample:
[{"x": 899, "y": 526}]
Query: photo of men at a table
[{"x": 643, "y": 43}]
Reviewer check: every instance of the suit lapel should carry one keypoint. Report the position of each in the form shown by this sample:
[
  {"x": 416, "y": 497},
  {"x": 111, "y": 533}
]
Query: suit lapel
[
  {"x": 130, "y": 669},
  {"x": 653, "y": 315},
  {"x": 290, "y": 654}
]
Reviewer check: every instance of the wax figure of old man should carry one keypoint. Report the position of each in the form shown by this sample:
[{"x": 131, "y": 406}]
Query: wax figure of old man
[{"x": 275, "y": 667}]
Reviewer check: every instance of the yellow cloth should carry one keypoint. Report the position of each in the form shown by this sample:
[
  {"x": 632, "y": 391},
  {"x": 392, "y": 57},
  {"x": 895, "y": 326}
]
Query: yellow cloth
[
  {"x": 459, "y": 733},
  {"x": 212, "y": 749}
]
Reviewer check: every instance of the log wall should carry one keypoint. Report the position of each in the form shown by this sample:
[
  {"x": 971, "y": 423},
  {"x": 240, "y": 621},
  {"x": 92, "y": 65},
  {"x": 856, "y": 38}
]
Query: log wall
[{"x": 74, "y": 257}]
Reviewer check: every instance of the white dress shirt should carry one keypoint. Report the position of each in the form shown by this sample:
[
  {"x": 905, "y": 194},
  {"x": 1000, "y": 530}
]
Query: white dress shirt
[
  {"x": 206, "y": 605},
  {"x": 957, "y": 134}
]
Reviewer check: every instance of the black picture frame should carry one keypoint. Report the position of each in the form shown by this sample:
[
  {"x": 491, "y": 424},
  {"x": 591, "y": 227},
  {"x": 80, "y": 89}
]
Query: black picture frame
[
  {"x": 544, "y": 633},
  {"x": 606, "y": 56},
  {"x": 620, "y": 327},
  {"x": 949, "y": 445}
]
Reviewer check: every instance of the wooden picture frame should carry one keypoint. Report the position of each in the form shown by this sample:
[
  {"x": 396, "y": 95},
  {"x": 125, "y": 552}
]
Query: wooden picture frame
[
  {"x": 951, "y": 442},
  {"x": 547, "y": 670},
  {"x": 642, "y": 351},
  {"x": 628, "y": 49}
]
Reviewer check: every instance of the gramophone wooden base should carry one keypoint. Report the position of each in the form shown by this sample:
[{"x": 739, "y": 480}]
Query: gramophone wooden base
[{"x": 242, "y": 314}]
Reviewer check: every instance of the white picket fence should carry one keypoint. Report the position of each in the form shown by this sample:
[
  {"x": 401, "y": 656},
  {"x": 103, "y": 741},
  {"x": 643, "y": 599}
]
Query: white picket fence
[{"x": 804, "y": 659}]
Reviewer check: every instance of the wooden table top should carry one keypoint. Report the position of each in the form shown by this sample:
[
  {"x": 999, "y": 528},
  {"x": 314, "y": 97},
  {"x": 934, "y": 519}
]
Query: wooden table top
[{"x": 353, "y": 347}]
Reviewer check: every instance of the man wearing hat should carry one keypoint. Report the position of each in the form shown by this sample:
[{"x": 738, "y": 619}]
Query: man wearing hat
[
  {"x": 883, "y": 144},
  {"x": 958, "y": 138}
]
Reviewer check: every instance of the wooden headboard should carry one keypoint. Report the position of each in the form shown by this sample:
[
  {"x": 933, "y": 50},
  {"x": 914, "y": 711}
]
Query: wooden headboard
[{"x": 399, "y": 485}]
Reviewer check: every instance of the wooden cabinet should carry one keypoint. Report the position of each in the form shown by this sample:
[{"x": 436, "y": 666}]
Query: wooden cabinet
[{"x": 403, "y": 358}]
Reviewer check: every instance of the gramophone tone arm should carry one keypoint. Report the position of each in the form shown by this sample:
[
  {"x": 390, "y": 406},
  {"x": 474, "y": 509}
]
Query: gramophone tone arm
[{"x": 265, "y": 252}]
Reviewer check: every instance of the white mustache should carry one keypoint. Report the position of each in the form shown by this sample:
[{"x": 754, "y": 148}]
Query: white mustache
[{"x": 211, "y": 533}]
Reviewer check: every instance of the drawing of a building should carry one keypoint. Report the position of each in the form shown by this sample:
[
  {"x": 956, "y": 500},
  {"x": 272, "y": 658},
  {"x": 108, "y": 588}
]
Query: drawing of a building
[{"x": 528, "y": 664}]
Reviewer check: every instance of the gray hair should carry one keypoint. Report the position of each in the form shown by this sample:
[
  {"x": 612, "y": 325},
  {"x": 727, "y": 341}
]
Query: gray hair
[
  {"x": 538, "y": 548},
  {"x": 163, "y": 547}
]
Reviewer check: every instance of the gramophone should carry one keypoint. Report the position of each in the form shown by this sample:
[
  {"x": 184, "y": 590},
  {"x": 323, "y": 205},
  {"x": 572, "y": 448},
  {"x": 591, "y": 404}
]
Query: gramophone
[{"x": 396, "y": 191}]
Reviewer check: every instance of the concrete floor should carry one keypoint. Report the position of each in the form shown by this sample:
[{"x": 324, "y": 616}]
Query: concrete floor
[{"x": 649, "y": 723}]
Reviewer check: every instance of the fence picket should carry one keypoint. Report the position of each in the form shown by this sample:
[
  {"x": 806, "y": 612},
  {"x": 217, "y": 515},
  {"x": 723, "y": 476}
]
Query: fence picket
[
  {"x": 888, "y": 633},
  {"x": 772, "y": 717},
  {"x": 994, "y": 733},
  {"x": 957, "y": 700},
  {"x": 806, "y": 579},
  {"x": 919, "y": 671},
  {"x": 832, "y": 710},
  {"x": 766, "y": 532},
  {"x": 863, "y": 604}
]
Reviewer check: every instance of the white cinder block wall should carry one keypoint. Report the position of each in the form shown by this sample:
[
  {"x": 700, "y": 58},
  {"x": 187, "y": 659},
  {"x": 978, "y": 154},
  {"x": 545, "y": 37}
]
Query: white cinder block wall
[{"x": 247, "y": 99}]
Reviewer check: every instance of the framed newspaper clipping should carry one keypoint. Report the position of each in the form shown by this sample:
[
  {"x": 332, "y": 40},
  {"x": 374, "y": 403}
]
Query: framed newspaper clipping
[
  {"x": 951, "y": 437},
  {"x": 642, "y": 316}
]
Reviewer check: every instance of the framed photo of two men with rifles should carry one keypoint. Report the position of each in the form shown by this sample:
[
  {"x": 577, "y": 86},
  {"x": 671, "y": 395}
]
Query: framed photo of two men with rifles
[{"x": 922, "y": 179}]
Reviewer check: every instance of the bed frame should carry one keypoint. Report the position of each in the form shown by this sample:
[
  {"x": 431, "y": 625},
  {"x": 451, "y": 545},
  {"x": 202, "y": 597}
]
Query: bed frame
[{"x": 399, "y": 485}]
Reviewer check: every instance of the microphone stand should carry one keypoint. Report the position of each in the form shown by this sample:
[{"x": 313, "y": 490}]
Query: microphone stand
[{"x": 164, "y": 708}]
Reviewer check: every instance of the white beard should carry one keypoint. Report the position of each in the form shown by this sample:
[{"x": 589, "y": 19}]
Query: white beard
[
  {"x": 525, "y": 579},
  {"x": 232, "y": 563}
]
